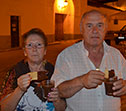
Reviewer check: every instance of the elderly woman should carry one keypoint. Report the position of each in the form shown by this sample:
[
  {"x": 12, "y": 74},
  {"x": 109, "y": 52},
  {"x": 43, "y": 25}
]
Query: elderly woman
[{"x": 20, "y": 92}]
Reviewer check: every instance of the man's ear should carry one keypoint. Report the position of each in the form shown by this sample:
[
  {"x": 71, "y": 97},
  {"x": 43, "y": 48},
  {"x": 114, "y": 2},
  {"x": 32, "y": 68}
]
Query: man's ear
[
  {"x": 45, "y": 51},
  {"x": 81, "y": 31},
  {"x": 82, "y": 26},
  {"x": 106, "y": 27}
]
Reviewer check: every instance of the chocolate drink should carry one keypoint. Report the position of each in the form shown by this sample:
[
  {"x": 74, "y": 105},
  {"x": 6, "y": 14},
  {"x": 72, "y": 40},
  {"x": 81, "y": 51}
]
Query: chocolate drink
[
  {"x": 108, "y": 88},
  {"x": 47, "y": 85},
  {"x": 109, "y": 83},
  {"x": 47, "y": 89}
]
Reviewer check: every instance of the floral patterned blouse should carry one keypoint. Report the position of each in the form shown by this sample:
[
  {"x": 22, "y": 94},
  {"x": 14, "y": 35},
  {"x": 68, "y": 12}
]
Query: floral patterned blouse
[{"x": 32, "y": 100}]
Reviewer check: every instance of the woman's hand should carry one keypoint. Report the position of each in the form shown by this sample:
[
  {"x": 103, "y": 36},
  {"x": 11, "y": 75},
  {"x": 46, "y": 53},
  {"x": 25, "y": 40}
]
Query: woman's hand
[
  {"x": 23, "y": 82},
  {"x": 60, "y": 104},
  {"x": 54, "y": 95}
]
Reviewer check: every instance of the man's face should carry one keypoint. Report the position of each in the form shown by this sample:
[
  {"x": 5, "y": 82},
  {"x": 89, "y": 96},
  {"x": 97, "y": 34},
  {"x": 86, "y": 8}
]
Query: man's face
[{"x": 94, "y": 28}]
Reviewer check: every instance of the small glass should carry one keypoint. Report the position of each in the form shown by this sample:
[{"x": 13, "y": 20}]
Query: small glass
[
  {"x": 47, "y": 85},
  {"x": 109, "y": 85}
]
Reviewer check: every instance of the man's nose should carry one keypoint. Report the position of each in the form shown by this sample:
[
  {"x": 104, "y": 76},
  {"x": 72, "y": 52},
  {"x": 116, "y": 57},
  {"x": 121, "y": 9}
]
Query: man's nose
[{"x": 95, "y": 29}]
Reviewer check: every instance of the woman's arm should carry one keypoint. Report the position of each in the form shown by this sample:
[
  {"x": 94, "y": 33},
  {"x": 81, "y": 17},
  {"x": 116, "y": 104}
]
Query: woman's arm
[
  {"x": 10, "y": 102},
  {"x": 60, "y": 105}
]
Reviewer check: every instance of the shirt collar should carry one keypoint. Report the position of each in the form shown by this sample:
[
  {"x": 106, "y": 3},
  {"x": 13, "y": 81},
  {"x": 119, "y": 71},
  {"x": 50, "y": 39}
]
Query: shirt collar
[{"x": 105, "y": 45}]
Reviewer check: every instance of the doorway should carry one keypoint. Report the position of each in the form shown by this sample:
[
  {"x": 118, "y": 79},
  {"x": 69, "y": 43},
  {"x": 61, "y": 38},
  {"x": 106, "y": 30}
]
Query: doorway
[
  {"x": 59, "y": 32},
  {"x": 14, "y": 20}
]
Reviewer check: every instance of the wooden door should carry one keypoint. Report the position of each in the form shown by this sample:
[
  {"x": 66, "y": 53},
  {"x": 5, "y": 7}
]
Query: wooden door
[
  {"x": 59, "y": 19},
  {"x": 14, "y": 31}
]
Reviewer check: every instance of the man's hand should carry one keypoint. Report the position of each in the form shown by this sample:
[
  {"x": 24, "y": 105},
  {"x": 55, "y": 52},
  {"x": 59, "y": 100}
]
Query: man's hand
[
  {"x": 119, "y": 87},
  {"x": 92, "y": 79},
  {"x": 24, "y": 81}
]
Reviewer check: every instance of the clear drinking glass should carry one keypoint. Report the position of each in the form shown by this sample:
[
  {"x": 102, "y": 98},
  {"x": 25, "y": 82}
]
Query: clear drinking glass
[
  {"x": 47, "y": 85},
  {"x": 109, "y": 85}
]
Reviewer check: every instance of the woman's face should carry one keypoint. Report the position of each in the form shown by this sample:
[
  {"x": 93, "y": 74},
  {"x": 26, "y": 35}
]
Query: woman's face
[{"x": 34, "y": 49}]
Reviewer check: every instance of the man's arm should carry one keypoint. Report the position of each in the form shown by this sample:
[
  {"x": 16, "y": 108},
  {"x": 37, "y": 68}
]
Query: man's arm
[
  {"x": 70, "y": 87},
  {"x": 90, "y": 80},
  {"x": 120, "y": 85}
]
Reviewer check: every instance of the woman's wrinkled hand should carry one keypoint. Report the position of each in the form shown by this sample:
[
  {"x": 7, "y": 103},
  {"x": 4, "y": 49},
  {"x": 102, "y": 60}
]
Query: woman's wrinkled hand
[
  {"x": 59, "y": 103},
  {"x": 24, "y": 81},
  {"x": 54, "y": 95}
]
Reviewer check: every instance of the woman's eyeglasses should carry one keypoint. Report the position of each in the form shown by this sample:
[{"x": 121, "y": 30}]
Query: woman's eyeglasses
[{"x": 34, "y": 45}]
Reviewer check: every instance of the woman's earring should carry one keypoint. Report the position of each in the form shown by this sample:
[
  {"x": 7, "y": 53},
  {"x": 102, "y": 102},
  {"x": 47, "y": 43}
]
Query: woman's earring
[{"x": 25, "y": 54}]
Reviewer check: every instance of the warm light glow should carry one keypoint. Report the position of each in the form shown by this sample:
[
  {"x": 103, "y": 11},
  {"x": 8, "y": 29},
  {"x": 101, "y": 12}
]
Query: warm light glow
[
  {"x": 62, "y": 4},
  {"x": 68, "y": 11},
  {"x": 122, "y": 5},
  {"x": 65, "y": 3},
  {"x": 121, "y": 8}
]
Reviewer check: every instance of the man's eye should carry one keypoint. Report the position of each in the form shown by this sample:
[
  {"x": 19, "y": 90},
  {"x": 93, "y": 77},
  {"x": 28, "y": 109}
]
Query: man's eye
[
  {"x": 89, "y": 26},
  {"x": 100, "y": 25},
  {"x": 29, "y": 45}
]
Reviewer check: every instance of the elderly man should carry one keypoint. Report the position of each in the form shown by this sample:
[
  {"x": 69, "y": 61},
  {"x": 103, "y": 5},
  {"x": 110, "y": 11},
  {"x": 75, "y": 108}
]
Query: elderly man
[{"x": 76, "y": 73}]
